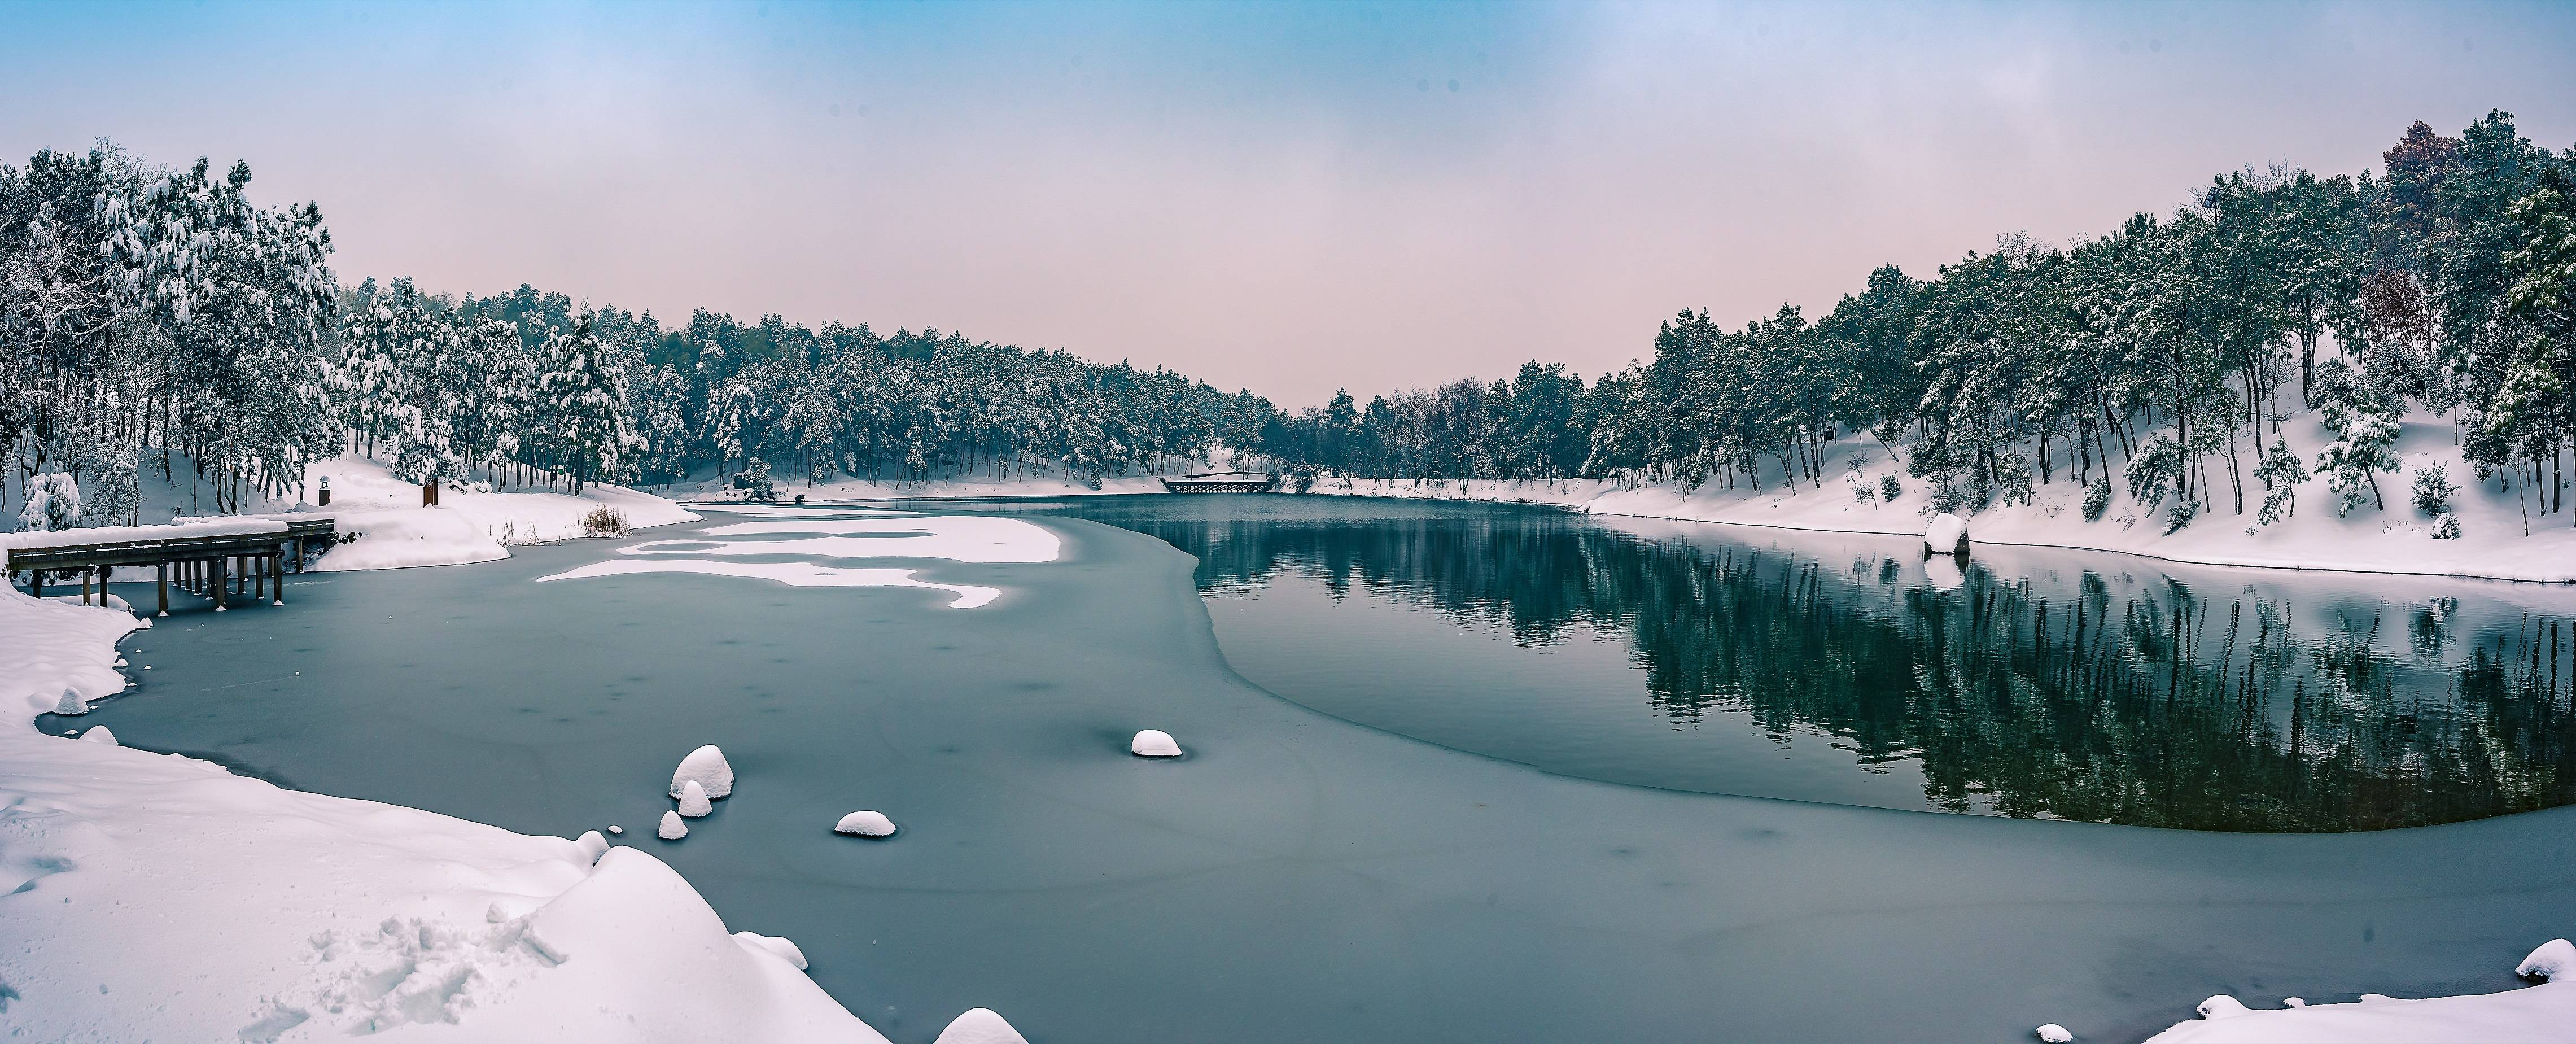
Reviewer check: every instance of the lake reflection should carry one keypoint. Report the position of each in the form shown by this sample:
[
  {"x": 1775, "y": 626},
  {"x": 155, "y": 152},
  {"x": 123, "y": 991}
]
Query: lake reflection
[{"x": 1835, "y": 668}]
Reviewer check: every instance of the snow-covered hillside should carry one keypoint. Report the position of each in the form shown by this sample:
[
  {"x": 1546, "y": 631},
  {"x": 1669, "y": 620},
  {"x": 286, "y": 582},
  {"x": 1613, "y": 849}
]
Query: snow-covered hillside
[{"x": 2396, "y": 539}]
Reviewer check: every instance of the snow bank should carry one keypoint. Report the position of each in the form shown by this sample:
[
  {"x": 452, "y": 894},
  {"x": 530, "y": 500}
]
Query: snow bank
[
  {"x": 1154, "y": 743},
  {"x": 2540, "y": 1014},
  {"x": 773, "y": 946},
  {"x": 124, "y": 876},
  {"x": 706, "y": 767},
  {"x": 99, "y": 734},
  {"x": 980, "y": 1026},
  {"x": 398, "y": 532},
  {"x": 865, "y": 824}
]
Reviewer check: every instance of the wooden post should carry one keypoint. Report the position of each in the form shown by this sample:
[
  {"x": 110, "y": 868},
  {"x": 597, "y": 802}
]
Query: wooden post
[
  {"x": 276, "y": 582},
  {"x": 36, "y": 582},
  {"x": 218, "y": 578},
  {"x": 85, "y": 572},
  {"x": 161, "y": 585},
  {"x": 257, "y": 567}
]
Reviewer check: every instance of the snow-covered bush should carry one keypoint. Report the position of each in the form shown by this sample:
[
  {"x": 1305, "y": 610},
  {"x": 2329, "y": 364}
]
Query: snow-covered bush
[
  {"x": 605, "y": 521},
  {"x": 2097, "y": 498},
  {"x": 1889, "y": 488},
  {"x": 2447, "y": 527},
  {"x": 2180, "y": 517},
  {"x": 756, "y": 480},
  {"x": 2158, "y": 469},
  {"x": 2433, "y": 489},
  {"x": 115, "y": 493},
  {"x": 53, "y": 502}
]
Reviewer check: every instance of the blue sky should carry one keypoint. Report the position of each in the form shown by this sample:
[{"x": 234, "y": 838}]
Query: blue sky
[{"x": 1285, "y": 196}]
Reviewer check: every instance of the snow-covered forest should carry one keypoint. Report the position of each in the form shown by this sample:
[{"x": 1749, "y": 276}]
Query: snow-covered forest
[
  {"x": 2162, "y": 356},
  {"x": 156, "y": 320}
]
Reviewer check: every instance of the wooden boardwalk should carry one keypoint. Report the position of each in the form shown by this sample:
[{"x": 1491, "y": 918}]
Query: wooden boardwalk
[{"x": 222, "y": 560}]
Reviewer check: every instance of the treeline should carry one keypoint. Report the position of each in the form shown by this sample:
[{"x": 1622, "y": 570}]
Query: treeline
[
  {"x": 159, "y": 319},
  {"x": 2163, "y": 356},
  {"x": 146, "y": 310}
]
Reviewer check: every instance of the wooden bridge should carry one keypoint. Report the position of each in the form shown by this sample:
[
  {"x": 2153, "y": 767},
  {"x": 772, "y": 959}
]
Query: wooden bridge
[{"x": 221, "y": 559}]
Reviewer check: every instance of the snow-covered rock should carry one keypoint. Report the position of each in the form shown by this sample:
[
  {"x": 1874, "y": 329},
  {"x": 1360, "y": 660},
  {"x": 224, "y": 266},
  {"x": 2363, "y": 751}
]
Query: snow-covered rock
[
  {"x": 1154, "y": 743},
  {"x": 693, "y": 800},
  {"x": 865, "y": 824},
  {"x": 99, "y": 734},
  {"x": 2221, "y": 1006},
  {"x": 1948, "y": 534},
  {"x": 2554, "y": 961},
  {"x": 707, "y": 766},
  {"x": 2054, "y": 1034},
  {"x": 980, "y": 1026},
  {"x": 673, "y": 828},
  {"x": 614, "y": 830},
  {"x": 774, "y": 945},
  {"x": 71, "y": 703},
  {"x": 591, "y": 844}
]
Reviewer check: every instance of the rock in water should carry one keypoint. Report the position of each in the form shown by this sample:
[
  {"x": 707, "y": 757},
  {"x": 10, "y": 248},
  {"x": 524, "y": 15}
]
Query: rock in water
[
  {"x": 71, "y": 703},
  {"x": 672, "y": 828},
  {"x": 614, "y": 829},
  {"x": 2054, "y": 1034},
  {"x": 1947, "y": 535},
  {"x": 1151, "y": 743},
  {"x": 693, "y": 800},
  {"x": 707, "y": 766},
  {"x": 980, "y": 1026},
  {"x": 99, "y": 734},
  {"x": 865, "y": 824},
  {"x": 2221, "y": 1006},
  {"x": 786, "y": 950},
  {"x": 591, "y": 845}
]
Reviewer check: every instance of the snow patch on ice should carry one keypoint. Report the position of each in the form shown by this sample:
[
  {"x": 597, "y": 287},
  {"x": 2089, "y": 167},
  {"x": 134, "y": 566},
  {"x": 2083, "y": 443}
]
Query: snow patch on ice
[{"x": 794, "y": 574}]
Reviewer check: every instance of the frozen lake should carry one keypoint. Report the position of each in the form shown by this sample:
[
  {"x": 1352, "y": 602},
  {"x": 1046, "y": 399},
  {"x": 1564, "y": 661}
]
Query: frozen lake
[{"x": 1517, "y": 814}]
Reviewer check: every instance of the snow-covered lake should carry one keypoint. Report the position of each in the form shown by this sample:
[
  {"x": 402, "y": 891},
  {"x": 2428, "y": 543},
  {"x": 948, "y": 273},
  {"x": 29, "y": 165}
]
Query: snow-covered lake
[{"x": 1299, "y": 877}]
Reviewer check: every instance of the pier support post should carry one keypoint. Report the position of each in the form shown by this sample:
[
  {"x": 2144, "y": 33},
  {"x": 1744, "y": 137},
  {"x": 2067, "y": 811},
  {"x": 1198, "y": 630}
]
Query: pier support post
[
  {"x": 276, "y": 582},
  {"x": 218, "y": 583},
  {"x": 85, "y": 572},
  {"x": 161, "y": 586}
]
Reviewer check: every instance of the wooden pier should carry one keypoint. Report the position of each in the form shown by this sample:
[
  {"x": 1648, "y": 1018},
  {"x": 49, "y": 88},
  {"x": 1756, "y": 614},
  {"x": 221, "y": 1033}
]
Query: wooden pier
[{"x": 222, "y": 560}]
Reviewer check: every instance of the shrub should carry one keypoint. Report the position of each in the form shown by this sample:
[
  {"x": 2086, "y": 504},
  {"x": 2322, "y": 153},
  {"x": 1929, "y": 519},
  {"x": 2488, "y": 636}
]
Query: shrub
[
  {"x": 2097, "y": 499},
  {"x": 2447, "y": 528},
  {"x": 605, "y": 521},
  {"x": 2433, "y": 489},
  {"x": 1861, "y": 493},
  {"x": 2184, "y": 510},
  {"x": 1888, "y": 488}
]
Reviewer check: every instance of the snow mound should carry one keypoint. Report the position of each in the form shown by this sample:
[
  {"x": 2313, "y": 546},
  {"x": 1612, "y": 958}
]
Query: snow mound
[
  {"x": 672, "y": 828},
  {"x": 71, "y": 703},
  {"x": 774, "y": 945},
  {"x": 99, "y": 734},
  {"x": 1948, "y": 534},
  {"x": 591, "y": 844},
  {"x": 1154, "y": 743},
  {"x": 708, "y": 768},
  {"x": 693, "y": 800},
  {"x": 980, "y": 1026},
  {"x": 2221, "y": 1006},
  {"x": 2555, "y": 961},
  {"x": 2054, "y": 1034},
  {"x": 865, "y": 824}
]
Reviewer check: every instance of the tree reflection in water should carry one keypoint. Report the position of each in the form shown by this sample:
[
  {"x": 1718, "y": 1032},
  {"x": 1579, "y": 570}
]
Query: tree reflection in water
[{"x": 2110, "y": 699}]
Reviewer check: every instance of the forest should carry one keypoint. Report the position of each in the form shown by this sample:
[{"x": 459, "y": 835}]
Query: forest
[{"x": 156, "y": 319}]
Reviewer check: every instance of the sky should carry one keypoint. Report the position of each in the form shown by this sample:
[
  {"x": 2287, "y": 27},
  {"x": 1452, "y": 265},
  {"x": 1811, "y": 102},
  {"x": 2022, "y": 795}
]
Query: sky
[{"x": 1287, "y": 197}]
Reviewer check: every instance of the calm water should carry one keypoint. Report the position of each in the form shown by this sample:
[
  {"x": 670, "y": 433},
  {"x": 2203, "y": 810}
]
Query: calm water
[
  {"x": 1302, "y": 878},
  {"x": 1818, "y": 667}
]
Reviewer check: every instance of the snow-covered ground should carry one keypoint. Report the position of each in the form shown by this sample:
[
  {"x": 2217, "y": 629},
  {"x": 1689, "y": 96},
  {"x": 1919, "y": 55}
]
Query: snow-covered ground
[
  {"x": 2397, "y": 539},
  {"x": 396, "y": 530},
  {"x": 156, "y": 897}
]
